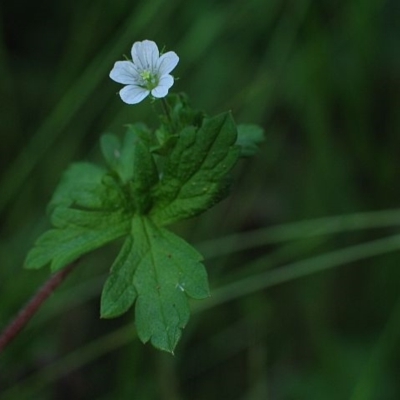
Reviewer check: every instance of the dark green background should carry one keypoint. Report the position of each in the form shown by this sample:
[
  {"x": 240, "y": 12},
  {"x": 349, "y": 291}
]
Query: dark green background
[{"x": 323, "y": 79}]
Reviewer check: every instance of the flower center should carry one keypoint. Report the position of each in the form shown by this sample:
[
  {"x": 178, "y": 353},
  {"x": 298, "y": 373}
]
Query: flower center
[{"x": 150, "y": 80}]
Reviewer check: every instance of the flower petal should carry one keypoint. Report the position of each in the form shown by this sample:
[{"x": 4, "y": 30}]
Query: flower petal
[
  {"x": 124, "y": 72},
  {"x": 164, "y": 84},
  {"x": 132, "y": 94},
  {"x": 167, "y": 62},
  {"x": 145, "y": 54}
]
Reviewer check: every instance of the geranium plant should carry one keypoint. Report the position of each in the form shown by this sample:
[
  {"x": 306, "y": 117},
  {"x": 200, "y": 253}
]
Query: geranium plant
[{"x": 151, "y": 179}]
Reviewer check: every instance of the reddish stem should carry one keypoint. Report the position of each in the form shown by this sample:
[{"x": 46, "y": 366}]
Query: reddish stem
[{"x": 23, "y": 317}]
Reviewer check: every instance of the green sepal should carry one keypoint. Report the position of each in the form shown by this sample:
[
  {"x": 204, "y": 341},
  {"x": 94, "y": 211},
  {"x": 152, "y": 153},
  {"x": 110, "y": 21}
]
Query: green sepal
[{"x": 194, "y": 177}]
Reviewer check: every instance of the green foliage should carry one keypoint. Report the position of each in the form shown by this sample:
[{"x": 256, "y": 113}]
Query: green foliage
[
  {"x": 135, "y": 198},
  {"x": 76, "y": 233},
  {"x": 322, "y": 78},
  {"x": 194, "y": 175},
  {"x": 86, "y": 213},
  {"x": 249, "y": 137},
  {"x": 86, "y": 186},
  {"x": 158, "y": 270}
]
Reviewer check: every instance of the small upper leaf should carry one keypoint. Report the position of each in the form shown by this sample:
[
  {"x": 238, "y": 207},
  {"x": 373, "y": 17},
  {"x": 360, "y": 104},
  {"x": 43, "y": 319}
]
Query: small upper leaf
[
  {"x": 111, "y": 149},
  {"x": 134, "y": 165},
  {"x": 120, "y": 156},
  {"x": 144, "y": 177},
  {"x": 249, "y": 137},
  {"x": 194, "y": 174},
  {"x": 85, "y": 185}
]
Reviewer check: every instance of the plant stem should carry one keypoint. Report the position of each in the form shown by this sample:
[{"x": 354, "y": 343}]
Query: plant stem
[
  {"x": 24, "y": 316},
  {"x": 166, "y": 110}
]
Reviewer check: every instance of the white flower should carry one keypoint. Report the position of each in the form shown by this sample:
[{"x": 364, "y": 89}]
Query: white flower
[{"x": 146, "y": 73}]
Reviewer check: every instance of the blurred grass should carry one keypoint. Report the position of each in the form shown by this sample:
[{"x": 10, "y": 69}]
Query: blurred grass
[{"x": 323, "y": 79}]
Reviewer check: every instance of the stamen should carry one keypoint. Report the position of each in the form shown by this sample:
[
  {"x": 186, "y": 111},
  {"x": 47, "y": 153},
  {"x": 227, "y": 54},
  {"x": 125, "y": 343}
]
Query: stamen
[{"x": 150, "y": 80}]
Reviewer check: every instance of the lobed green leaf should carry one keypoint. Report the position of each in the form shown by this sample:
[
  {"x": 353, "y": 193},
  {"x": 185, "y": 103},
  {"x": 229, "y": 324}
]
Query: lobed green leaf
[
  {"x": 76, "y": 233},
  {"x": 160, "y": 271},
  {"x": 119, "y": 292},
  {"x": 85, "y": 185},
  {"x": 194, "y": 174},
  {"x": 145, "y": 176},
  {"x": 120, "y": 156},
  {"x": 155, "y": 270}
]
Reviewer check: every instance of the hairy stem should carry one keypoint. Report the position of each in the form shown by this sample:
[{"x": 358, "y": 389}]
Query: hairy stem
[{"x": 23, "y": 317}]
